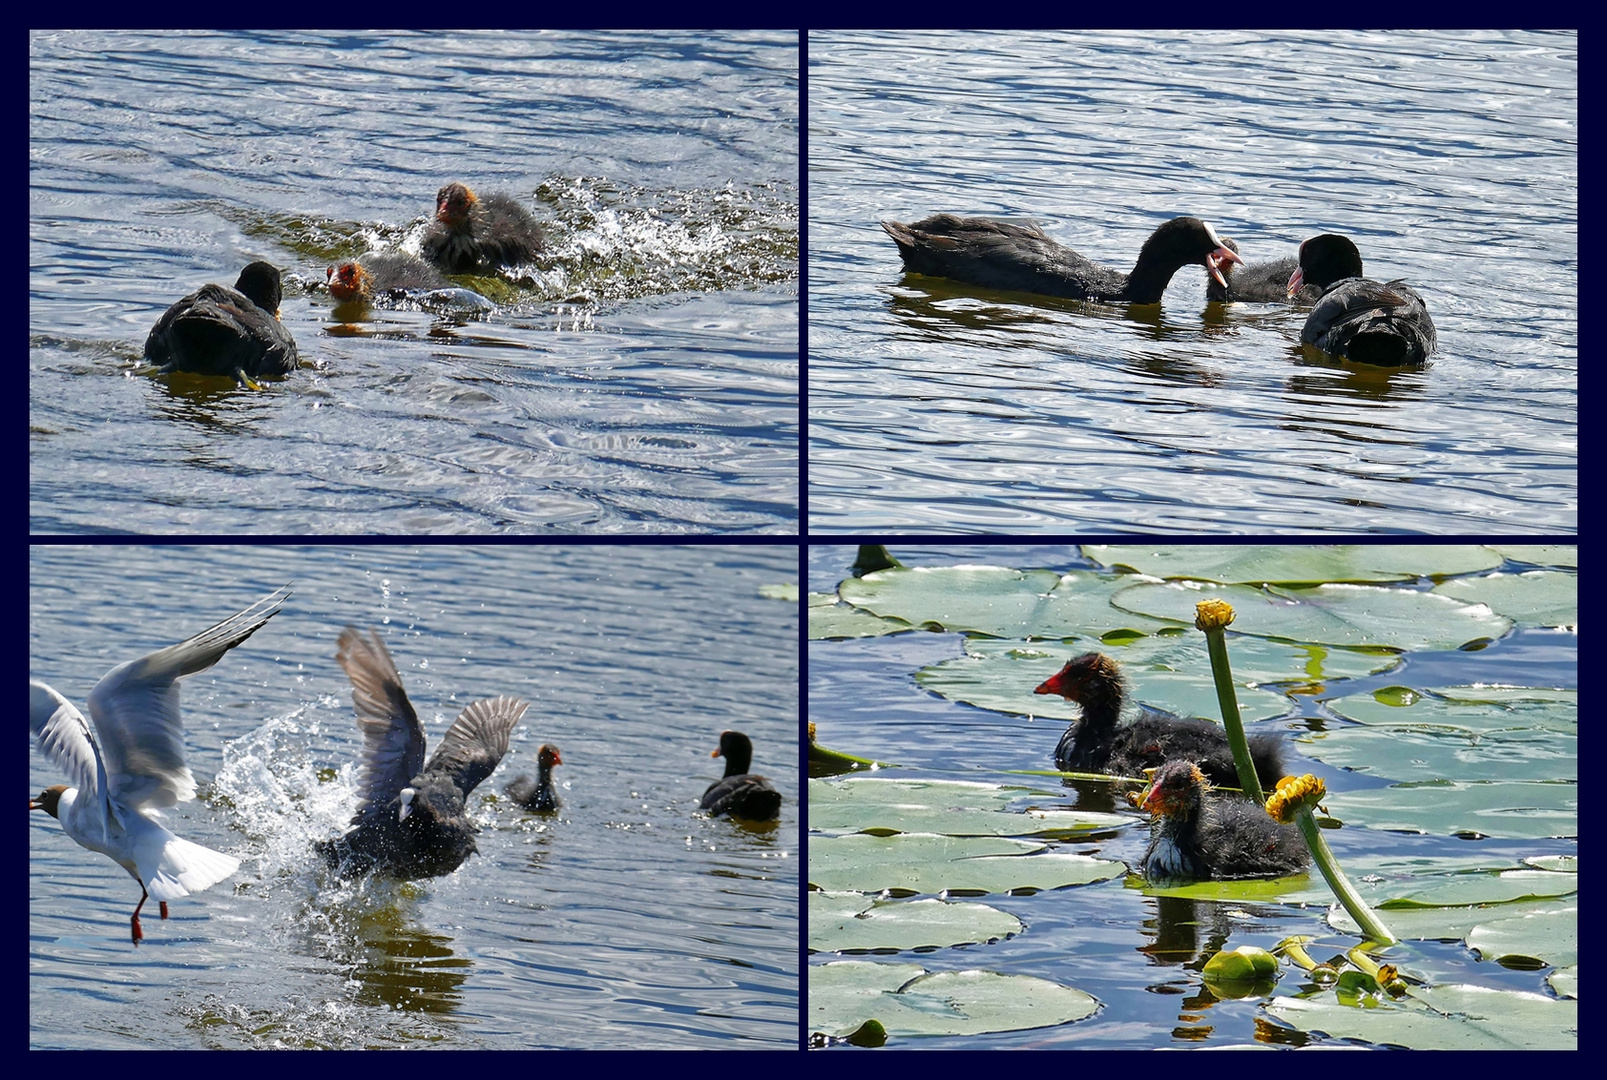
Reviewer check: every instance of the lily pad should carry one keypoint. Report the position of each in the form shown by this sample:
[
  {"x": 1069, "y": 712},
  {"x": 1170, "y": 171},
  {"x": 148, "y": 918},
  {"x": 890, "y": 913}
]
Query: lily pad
[
  {"x": 1541, "y": 938},
  {"x": 1355, "y": 616},
  {"x": 840, "y": 922},
  {"x": 831, "y": 621},
  {"x": 1533, "y": 598},
  {"x": 787, "y": 591},
  {"x": 1162, "y": 672},
  {"x": 1001, "y": 602},
  {"x": 911, "y": 863},
  {"x": 1565, "y": 981},
  {"x": 1455, "y": 1017},
  {"x": 953, "y": 807},
  {"x": 1519, "y": 810},
  {"x": 910, "y": 1001},
  {"x": 1562, "y": 555},
  {"x": 1296, "y": 564},
  {"x": 1423, "y": 737}
]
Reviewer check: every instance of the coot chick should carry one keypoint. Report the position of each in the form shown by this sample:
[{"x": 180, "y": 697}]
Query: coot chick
[
  {"x": 217, "y": 330},
  {"x": 382, "y": 273},
  {"x": 539, "y": 794},
  {"x": 1001, "y": 256},
  {"x": 740, "y": 793},
  {"x": 473, "y": 233},
  {"x": 1096, "y": 744},
  {"x": 410, "y": 820},
  {"x": 1356, "y": 317},
  {"x": 1257, "y": 283},
  {"x": 1200, "y": 836}
]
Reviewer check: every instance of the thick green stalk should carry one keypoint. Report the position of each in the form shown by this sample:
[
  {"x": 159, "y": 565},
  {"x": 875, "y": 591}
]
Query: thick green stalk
[
  {"x": 1371, "y": 925},
  {"x": 1213, "y": 617}
]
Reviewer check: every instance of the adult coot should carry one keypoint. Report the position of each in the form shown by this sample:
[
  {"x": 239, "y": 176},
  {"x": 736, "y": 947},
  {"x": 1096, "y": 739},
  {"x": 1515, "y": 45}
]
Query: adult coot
[
  {"x": 1263, "y": 282},
  {"x": 1358, "y": 318},
  {"x": 1022, "y": 258},
  {"x": 410, "y": 820},
  {"x": 361, "y": 280},
  {"x": 539, "y": 794},
  {"x": 1095, "y": 744},
  {"x": 472, "y": 233},
  {"x": 217, "y": 330},
  {"x": 1199, "y": 836},
  {"x": 740, "y": 793},
  {"x": 133, "y": 762}
]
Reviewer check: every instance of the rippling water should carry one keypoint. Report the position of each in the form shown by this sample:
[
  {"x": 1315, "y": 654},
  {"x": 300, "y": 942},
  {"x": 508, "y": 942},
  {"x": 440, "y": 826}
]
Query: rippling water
[
  {"x": 641, "y": 377},
  {"x": 1449, "y": 157},
  {"x": 626, "y": 921}
]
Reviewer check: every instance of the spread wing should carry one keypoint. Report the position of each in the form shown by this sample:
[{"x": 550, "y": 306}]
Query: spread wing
[
  {"x": 393, "y": 739},
  {"x": 135, "y": 707},
  {"x": 476, "y": 742}
]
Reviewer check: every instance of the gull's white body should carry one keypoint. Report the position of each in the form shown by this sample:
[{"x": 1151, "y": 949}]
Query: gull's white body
[{"x": 132, "y": 762}]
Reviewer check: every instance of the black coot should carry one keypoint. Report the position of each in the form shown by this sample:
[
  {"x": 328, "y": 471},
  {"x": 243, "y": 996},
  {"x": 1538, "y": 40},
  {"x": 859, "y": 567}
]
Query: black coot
[
  {"x": 538, "y": 794},
  {"x": 472, "y": 233},
  {"x": 1197, "y": 835},
  {"x": 1095, "y": 744},
  {"x": 1002, "y": 256},
  {"x": 741, "y": 793},
  {"x": 1363, "y": 320},
  {"x": 217, "y": 330},
  {"x": 410, "y": 820},
  {"x": 1256, "y": 283}
]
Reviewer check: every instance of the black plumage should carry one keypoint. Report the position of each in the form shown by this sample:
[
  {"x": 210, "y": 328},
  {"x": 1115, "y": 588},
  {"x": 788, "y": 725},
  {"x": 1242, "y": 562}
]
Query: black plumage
[
  {"x": 1357, "y": 318},
  {"x": 740, "y": 793},
  {"x": 217, "y": 330},
  {"x": 1199, "y": 835},
  {"x": 471, "y": 233},
  {"x": 538, "y": 794}
]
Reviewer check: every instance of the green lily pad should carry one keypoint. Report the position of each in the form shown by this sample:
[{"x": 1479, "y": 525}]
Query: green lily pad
[
  {"x": 1355, "y": 616},
  {"x": 925, "y": 863},
  {"x": 952, "y": 807},
  {"x": 1455, "y": 1017},
  {"x": 1534, "y": 598},
  {"x": 787, "y": 592},
  {"x": 1000, "y": 602},
  {"x": 839, "y": 922},
  {"x": 1519, "y": 810},
  {"x": 1521, "y": 735},
  {"x": 1295, "y": 564},
  {"x": 1163, "y": 672},
  {"x": 1562, "y": 555},
  {"x": 910, "y": 1001},
  {"x": 1565, "y": 981},
  {"x": 1542, "y": 938},
  {"x": 831, "y": 621},
  {"x": 1440, "y": 923}
]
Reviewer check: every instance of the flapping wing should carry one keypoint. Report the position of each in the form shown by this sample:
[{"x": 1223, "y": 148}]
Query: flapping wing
[
  {"x": 135, "y": 707},
  {"x": 476, "y": 742},
  {"x": 64, "y": 737},
  {"x": 393, "y": 739}
]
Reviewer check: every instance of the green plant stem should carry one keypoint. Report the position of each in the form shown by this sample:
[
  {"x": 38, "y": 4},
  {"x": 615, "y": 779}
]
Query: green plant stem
[
  {"x": 1228, "y": 699},
  {"x": 1365, "y": 917}
]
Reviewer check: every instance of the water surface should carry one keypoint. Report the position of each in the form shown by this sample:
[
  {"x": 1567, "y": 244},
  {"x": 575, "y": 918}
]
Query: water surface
[
  {"x": 1449, "y": 157},
  {"x": 625, "y": 921},
  {"x": 641, "y": 376}
]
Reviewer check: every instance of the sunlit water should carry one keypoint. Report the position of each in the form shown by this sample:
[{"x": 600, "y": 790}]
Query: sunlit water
[
  {"x": 1140, "y": 955},
  {"x": 627, "y": 920},
  {"x": 641, "y": 376},
  {"x": 1450, "y": 158}
]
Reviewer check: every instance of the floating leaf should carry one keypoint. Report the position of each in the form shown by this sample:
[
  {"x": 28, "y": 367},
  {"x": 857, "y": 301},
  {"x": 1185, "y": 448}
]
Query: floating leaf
[
  {"x": 1354, "y": 616},
  {"x": 925, "y": 863},
  {"x": 780, "y": 592},
  {"x": 1456, "y": 1017},
  {"x": 909, "y": 1001},
  {"x": 1534, "y": 598},
  {"x": 952, "y": 807},
  {"x": 1454, "y": 808},
  {"x": 839, "y": 922},
  {"x": 1544, "y": 938},
  {"x": 1296, "y": 564},
  {"x": 829, "y": 620}
]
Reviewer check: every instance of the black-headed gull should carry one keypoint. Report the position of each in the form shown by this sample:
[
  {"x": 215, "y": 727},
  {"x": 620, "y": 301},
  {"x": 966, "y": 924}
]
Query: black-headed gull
[
  {"x": 740, "y": 793},
  {"x": 133, "y": 761},
  {"x": 410, "y": 820}
]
